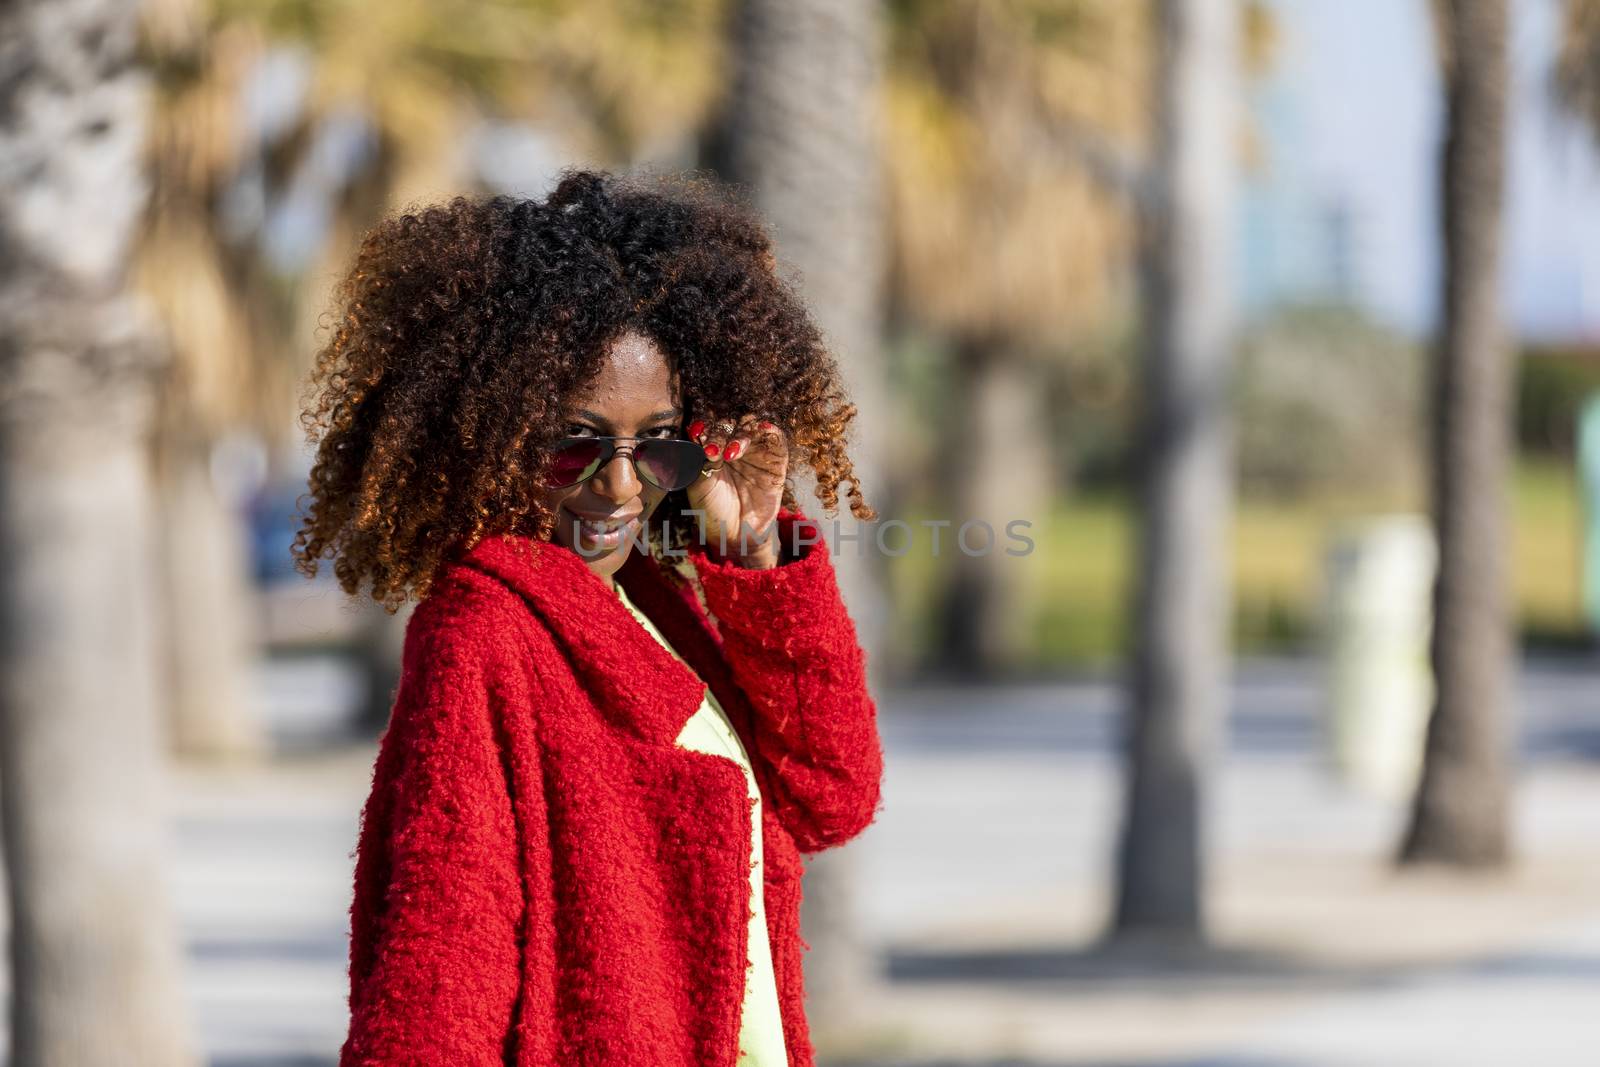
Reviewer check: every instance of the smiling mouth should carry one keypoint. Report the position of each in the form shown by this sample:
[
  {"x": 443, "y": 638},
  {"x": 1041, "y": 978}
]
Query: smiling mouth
[{"x": 603, "y": 532}]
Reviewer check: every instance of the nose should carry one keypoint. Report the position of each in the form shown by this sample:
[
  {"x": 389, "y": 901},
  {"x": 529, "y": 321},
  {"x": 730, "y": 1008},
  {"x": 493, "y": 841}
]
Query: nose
[{"x": 617, "y": 481}]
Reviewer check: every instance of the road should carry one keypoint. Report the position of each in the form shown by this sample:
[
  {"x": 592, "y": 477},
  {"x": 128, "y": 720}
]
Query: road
[{"x": 984, "y": 881}]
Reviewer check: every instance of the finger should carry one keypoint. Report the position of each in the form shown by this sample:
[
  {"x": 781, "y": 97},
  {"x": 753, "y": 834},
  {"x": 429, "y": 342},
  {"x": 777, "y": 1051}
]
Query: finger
[
  {"x": 737, "y": 447},
  {"x": 767, "y": 440},
  {"x": 715, "y": 436},
  {"x": 710, "y": 429},
  {"x": 708, "y": 474},
  {"x": 758, "y": 432},
  {"x": 705, "y": 435}
]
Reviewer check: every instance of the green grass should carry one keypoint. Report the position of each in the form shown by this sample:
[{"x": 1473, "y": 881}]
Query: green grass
[
  {"x": 1547, "y": 538},
  {"x": 1070, "y": 594}
]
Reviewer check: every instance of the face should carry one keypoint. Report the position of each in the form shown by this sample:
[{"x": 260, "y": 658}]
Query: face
[{"x": 635, "y": 396}]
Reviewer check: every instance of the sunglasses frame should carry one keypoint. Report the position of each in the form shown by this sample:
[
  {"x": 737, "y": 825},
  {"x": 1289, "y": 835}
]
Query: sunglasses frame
[{"x": 610, "y": 450}]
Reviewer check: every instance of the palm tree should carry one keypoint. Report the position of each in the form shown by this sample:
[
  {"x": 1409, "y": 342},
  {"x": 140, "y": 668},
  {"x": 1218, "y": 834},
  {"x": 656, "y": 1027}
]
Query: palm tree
[
  {"x": 1017, "y": 150},
  {"x": 1013, "y": 133},
  {"x": 1181, "y": 607},
  {"x": 1577, "y": 72},
  {"x": 405, "y": 80},
  {"x": 94, "y": 950},
  {"x": 801, "y": 134},
  {"x": 1460, "y": 814}
]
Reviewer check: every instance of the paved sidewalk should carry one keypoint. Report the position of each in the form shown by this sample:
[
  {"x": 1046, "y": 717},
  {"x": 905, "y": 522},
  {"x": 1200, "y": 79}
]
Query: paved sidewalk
[
  {"x": 984, "y": 882},
  {"x": 989, "y": 872}
]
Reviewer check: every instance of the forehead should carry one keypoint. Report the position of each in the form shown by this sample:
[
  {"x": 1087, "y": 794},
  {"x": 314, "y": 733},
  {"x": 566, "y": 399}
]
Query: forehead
[{"x": 636, "y": 380}]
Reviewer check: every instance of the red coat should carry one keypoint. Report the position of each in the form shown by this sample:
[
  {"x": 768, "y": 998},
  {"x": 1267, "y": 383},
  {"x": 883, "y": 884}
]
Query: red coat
[{"x": 543, "y": 877}]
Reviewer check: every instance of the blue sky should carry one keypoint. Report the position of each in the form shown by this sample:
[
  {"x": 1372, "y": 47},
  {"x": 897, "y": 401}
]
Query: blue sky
[{"x": 1347, "y": 197}]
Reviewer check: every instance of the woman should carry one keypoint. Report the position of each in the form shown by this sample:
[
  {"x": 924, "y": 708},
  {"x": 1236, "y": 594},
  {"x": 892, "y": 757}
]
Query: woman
[{"x": 631, "y": 696}]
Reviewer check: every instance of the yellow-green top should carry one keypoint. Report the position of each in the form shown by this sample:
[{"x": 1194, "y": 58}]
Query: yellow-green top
[{"x": 760, "y": 1025}]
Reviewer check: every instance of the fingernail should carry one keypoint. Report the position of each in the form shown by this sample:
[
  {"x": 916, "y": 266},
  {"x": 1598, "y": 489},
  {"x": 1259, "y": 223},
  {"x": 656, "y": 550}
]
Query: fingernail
[
  {"x": 697, "y": 427},
  {"x": 734, "y": 450},
  {"x": 768, "y": 426},
  {"x": 713, "y": 450}
]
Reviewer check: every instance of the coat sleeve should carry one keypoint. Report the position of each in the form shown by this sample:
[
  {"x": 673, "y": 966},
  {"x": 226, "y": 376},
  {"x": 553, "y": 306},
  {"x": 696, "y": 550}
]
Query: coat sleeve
[
  {"x": 793, "y": 649},
  {"x": 434, "y": 921}
]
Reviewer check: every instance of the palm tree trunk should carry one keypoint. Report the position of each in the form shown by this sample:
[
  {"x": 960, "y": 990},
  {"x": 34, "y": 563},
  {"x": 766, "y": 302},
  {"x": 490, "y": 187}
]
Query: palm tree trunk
[
  {"x": 801, "y": 133},
  {"x": 1460, "y": 814},
  {"x": 207, "y": 623},
  {"x": 94, "y": 951},
  {"x": 995, "y": 470},
  {"x": 1182, "y": 601}
]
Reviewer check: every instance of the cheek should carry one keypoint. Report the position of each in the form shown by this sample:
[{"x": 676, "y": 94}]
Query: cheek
[{"x": 554, "y": 498}]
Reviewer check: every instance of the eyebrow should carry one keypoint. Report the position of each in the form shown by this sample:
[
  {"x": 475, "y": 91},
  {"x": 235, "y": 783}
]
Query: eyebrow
[{"x": 659, "y": 416}]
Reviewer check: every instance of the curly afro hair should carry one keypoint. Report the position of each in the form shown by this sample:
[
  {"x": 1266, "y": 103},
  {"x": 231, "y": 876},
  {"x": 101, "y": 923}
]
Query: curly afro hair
[{"x": 462, "y": 327}]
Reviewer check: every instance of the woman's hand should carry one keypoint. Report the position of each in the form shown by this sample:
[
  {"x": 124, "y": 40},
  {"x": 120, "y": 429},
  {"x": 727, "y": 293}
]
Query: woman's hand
[{"x": 741, "y": 489}]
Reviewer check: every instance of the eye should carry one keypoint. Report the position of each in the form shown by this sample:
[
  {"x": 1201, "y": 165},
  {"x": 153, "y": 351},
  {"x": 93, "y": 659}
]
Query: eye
[
  {"x": 578, "y": 429},
  {"x": 667, "y": 433}
]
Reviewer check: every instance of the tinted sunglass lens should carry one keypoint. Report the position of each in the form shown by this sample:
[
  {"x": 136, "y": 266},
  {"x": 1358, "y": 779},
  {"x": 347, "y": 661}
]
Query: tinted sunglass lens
[
  {"x": 671, "y": 464},
  {"x": 575, "y": 460}
]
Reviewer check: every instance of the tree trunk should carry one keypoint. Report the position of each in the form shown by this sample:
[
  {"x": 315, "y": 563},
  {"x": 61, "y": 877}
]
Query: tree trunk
[
  {"x": 801, "y": 132},
  {"x": 1460, "y": 813},
  {"x": 996, "y": 469},
  {"x": 1182, "y": 600},
  {"x": 208, "y": 623},
  {"x": 94, "y": 951}
]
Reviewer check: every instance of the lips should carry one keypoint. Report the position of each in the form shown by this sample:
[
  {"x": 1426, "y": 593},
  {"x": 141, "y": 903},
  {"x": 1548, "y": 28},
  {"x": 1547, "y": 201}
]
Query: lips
[
  {"x": 604, "y": 522},
  {"x": 604, "y": 530}
]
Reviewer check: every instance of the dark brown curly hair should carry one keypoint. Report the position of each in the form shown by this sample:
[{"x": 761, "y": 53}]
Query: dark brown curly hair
[{"x": 462, "y": 327}]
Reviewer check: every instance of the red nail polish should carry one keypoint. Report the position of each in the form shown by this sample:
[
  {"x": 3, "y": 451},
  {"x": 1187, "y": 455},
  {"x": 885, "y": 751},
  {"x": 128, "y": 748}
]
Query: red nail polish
[
  {"x": 697, "y": 427},
  {"x": 734, "y": 450},
  {"x": 768, "y": 426},
  {"x": 713, "y": 450}
]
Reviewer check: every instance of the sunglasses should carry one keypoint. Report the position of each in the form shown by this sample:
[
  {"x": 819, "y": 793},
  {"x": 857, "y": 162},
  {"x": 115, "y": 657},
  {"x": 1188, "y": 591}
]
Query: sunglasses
[{"x": 666, "y": 463}]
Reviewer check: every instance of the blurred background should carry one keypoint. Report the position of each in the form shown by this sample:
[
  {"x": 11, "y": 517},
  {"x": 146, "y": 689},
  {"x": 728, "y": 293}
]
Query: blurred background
[{"x": 1276, "y": 322}]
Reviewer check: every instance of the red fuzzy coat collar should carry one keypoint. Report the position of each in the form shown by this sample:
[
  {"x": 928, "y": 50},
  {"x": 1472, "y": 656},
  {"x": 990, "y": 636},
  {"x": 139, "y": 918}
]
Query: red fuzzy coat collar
[{"x": 603, "y": 641}]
